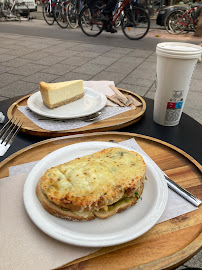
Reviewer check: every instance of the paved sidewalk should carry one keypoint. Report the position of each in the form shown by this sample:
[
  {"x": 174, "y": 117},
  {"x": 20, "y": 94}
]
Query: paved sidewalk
[{"x": 25, "y": 60}]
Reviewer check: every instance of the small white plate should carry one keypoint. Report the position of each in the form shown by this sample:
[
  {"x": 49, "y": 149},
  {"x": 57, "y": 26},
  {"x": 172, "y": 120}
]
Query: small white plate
[
  {"x": 117, "y": 229},
  {"x": 90, "y": 103}
]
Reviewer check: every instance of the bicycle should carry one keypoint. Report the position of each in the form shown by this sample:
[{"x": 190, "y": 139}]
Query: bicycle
[
  {"x": 135, "y": 22},
  {"x": 48, "y": 11},
  {"x": 73, "y": 10},
  {"x": 14, "y": 10},
  {"x": 61, "y": 14},
  {"x": 180, "y": 21}
]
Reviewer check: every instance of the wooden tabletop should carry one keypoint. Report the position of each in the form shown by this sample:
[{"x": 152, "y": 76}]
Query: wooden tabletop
[{"x": 165, "y": 246}]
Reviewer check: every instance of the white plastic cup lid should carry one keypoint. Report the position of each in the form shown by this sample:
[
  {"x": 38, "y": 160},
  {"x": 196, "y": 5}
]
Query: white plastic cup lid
[{"x": 179, "y": 50}]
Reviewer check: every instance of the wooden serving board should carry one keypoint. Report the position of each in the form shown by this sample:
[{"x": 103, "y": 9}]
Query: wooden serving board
[
  {"x": 112, "y": 123},
  {"x": 165, "y": 246}
]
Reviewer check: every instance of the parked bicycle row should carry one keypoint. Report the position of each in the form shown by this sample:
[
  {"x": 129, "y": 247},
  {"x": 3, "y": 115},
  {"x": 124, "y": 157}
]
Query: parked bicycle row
[
  {"x": 89, "y": 15},
  {"x": 64, "y": 12}
]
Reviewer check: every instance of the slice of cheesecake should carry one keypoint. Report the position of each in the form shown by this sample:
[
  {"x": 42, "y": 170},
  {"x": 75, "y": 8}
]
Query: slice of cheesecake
[{"x": 58, "y": 94}]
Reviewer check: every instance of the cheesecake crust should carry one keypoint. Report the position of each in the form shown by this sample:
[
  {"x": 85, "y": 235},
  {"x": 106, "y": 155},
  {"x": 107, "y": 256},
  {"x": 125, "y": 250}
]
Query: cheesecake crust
[{"x": 64, "y": 102}]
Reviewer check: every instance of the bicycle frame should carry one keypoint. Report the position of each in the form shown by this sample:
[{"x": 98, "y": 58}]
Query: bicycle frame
[
  {"x": 179, "y": 21},
  {"x": 119, "y": 10},
  {"x": 65, "y": 3}
]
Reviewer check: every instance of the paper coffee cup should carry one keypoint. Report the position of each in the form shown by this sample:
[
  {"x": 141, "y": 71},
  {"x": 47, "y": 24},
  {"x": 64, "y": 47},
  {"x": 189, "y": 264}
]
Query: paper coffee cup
[{"x": 175, "y": 65}]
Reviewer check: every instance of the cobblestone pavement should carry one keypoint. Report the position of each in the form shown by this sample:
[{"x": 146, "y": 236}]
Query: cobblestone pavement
[{"x": 25, "y": 60}]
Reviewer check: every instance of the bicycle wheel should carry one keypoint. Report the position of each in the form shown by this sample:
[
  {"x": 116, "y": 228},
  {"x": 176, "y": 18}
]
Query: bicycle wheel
[
  {"x": 135, "y": 23},
  {"x": 21, "y": 9},
  {"x": 175, "y": 24},
  {"x": 91, "y": 25},
  {"x": 166, "y": 24},
  {"x": 61, "y": 15},
  {"x": 48, "y": 13},
  {"x": 72, "y": 15},
  {"x": 86, "y": 17}
]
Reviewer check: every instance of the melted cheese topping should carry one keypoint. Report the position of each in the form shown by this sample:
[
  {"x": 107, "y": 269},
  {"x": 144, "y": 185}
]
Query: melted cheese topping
[{"x": 95, "y": 180}]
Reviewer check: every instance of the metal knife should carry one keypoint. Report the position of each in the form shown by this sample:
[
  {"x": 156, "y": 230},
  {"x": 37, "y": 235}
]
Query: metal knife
[{"x": 183, "y": 192}]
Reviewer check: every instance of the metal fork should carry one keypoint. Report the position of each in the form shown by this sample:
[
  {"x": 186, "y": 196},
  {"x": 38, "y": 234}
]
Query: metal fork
[
  {"x": 8, "y": 133},
  {"x": 87, "y": 118}
]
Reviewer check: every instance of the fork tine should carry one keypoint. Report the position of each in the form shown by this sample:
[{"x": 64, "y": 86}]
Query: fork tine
[
  {"x": 8, "y": 132},
  {"x": 14, "y": 134},
  {"x": 12, "y": 129},
  {"x": 5, "y": 126},
  {"x": 8, "y": 129}
]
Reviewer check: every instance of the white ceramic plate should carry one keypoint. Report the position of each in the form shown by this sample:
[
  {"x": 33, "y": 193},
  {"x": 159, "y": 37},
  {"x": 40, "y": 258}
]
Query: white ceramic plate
[
  {"x": 117, "y": 229},
  {"x": 90, "y": 103}
]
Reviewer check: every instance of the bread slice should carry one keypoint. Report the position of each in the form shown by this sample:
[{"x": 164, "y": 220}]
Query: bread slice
[
  {"x": 58, "y": 94},
  {"x": 59, "y": 212}
]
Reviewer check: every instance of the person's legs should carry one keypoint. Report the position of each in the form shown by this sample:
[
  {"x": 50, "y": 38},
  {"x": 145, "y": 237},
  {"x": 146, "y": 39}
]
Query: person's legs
[
  {"x": 106, "y": 14},
  {"x": 91, "y": 5},
  {"x": 109, "y": 8},
  {"x": 108, "y": 11}
]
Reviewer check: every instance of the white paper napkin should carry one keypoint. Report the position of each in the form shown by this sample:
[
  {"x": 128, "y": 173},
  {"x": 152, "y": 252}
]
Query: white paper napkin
[
  {"x": 103, "y": 87},
  {"x": 23, "y": 246},
  {"x": 2, "y": 117}
]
